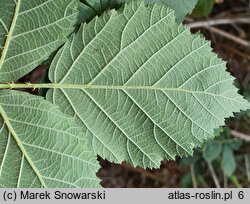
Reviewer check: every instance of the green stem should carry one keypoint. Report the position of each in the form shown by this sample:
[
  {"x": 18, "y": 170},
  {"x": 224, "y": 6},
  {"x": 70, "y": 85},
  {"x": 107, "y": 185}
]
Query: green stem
[
  {"x": 214, "y": 176},
  {"x": 235, "y": 181},
  {"x": 94, "y": 86},
  {"x": 247, "y": 166},
  {"x": 35, "y": 86},
  {"x": 86, "y": 86},
  {"x": 193, "y": 176}
]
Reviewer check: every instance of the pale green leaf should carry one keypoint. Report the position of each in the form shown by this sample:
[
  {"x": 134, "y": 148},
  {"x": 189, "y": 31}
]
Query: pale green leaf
[
  {"x": 142, "y": 87},
  {"x": 30, "y": 31},
  {"x": 40, "y": 146},
  {"x": 181, "y": 7},
  {"x": 228, "y": 162}
]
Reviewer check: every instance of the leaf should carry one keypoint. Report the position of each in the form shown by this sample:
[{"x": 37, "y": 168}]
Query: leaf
[
  {"x": 86, "y": 13},
  {"x": 30, "y": 31},
  {"x": 235, "y": 145},
  {"x": 97, "y": 7},
  {"x": 191, "y": 160},
  {"x": 102, "y": 5},
  {"x": 228, "y": 162},
  {"x": 91, "y": 8},
  {"x": 142, "y": 87},
  {"x": 181, "y": 7},
  {"x": 186, "y": 180},
  {"x": 40, "y": 146},
  {"x": 212, "y": 150},
  {"x": 203, "y": 8}
]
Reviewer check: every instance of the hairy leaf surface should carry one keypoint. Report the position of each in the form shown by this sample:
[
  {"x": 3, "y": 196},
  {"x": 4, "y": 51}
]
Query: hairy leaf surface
[
  {"x": 30, "y": 31},
  {"x": 40, "y": 146},
  {"x": 141, "y": 86}
]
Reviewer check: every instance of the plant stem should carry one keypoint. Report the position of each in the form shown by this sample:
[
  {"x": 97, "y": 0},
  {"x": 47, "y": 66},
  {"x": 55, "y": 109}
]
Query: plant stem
[
  {"x": 222, "y": 33},
  {"x": 235, "y": 181},
  {"x": 229, "y": 36},
  {"x": 193, "y": 176},
  {"x": 216, "y": 181},
  {"x": 225, "y": 180},
  {"x": 94, "y": 86},
  {"x": 247, "y": 166},
  {"x": 222, "y": 21},
  {"x": 240, "y": 135}
]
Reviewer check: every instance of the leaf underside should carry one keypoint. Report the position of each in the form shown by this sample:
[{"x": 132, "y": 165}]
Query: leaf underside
[
  {"x": 133, "y": 85},
  {"x": 147, "y": 89},
  {"x": 41, "y": 147},
  {"x": 30, "y": 31}
]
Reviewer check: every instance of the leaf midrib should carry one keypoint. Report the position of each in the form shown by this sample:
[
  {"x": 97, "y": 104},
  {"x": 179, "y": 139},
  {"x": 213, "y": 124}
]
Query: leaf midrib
[
  {"x": 107, "y": 87},
  {"x": 19, "y": 143},
  {"x": 10, "y": 33}
]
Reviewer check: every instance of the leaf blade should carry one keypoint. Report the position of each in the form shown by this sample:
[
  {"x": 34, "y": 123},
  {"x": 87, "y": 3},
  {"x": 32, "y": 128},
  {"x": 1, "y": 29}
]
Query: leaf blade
[
  {"x": 50, "y": 150},
  {"x": 212, "y": 150},
  {"x": 132, "y": 90},
  {"x": 29, "y": 32},
  {"x": 228, "y": 162}
]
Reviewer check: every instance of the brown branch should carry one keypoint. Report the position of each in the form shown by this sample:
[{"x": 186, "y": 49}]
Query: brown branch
[
  {"x": 222, "y": 21},
  {"x": 222, "y": 33},
  {"x": 229, "y": 36},
  {"x": 240, "y": 135},
  {"x": 232, "y": 49}
]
